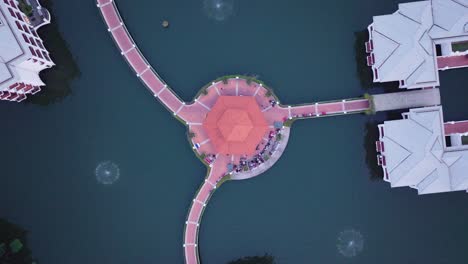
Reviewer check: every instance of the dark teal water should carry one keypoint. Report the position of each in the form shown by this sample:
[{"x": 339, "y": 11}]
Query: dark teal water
[{"x": 304, "y": 50}]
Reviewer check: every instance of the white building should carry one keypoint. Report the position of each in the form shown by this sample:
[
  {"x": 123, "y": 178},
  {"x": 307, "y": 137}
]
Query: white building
[
  {"x": 414, "y": 153},
  {"x": 411, "y": 46},
  {"x": 416, "y": 41},
  {"x": 22, "y": 53}
]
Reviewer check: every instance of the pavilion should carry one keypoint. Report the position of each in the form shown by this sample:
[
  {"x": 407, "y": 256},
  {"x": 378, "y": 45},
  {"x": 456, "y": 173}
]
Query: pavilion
[{"x": 235, "y": 125}]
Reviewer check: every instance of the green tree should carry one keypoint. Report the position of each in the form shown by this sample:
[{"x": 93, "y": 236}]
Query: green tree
[
  {"x": 25, "y": 8},
  {"x": 13, "y": 244}
]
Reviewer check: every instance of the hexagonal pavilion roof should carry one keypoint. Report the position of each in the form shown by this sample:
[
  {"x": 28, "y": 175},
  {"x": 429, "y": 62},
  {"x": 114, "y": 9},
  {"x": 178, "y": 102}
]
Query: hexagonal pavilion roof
[{"x": 235, "y": 125}]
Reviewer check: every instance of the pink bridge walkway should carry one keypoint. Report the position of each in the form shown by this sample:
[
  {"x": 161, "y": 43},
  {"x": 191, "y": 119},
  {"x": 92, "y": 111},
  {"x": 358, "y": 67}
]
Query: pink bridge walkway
[
  {"x": 452, "y": 62},
  {"x": 194, "y": 114},
  {"x": 460, "y": 127}
]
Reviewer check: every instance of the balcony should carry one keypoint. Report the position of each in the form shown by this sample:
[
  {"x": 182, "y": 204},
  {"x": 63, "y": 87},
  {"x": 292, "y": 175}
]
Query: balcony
[
  {"x": 38, "y": 15},
  {"x": 369, "y": 46},
  {"x": 381, "y": 161},
  {"x": 379, "y": 146}
]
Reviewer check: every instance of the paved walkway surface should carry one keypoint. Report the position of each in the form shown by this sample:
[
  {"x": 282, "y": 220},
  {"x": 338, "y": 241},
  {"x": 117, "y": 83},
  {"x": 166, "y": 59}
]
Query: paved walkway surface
[
  {"x": 407, "y": 99},
  {"x": 240, "y": 87},
  {"x": 460, "y": 127},
  {"x": 320, "y": 109},
  {"x": 193, "y": 114},
  {"x": 452, "y": 62},
  {"x": 192, "y": 225}
]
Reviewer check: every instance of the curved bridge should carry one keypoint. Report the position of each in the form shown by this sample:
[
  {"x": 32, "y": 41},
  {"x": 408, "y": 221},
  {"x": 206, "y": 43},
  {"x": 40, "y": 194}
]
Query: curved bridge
[{"x": 193, "y": 115}]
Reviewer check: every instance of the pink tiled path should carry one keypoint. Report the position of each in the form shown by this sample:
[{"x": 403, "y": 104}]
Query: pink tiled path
[
  {"x": 134, "y": 57},
  {"x": 460, "y": 127},
  {"x": 194, "y": 114},
  {"x": 170, "y": 100},
  {"x": 136, "y": 61},
  {"x": 452, "y": 62},
  {"x": 123, "y": 39},
  {"x": 217, "y": 171},
  {"x": 152, "y": 81},
  {"x": 110, "y": 16},
  {"x": 330, "y": 108},
  {"x": 357, "y": 105}
]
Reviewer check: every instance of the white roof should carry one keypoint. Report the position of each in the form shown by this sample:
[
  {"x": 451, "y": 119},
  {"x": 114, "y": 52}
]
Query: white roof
[
  {"x": 9, "y": 46},
  {"x": 14, "y": 54},
  {"x": 403, "y": 49},
  {"x": 4, "y": 72},
  {"x": 26, "y": 75},
  {"x": 9, "y": 49},
  {"x": 450, "y": 18},
  {"x": 416, "y": 154}
]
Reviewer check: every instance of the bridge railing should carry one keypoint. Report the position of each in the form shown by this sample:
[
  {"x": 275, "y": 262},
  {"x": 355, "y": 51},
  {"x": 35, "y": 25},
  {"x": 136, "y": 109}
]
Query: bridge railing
[
  {"x": 201, "y": 215},
  {"x": 113, "y": 3}
]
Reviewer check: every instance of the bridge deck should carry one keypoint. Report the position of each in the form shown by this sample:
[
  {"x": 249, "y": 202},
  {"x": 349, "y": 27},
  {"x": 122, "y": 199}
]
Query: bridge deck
[
  {"x": 460, "y": 127},
  {"x": 452, "y": 62},
  {"x": 406, "y": 100},
  {"x": 194, "y": 113}
]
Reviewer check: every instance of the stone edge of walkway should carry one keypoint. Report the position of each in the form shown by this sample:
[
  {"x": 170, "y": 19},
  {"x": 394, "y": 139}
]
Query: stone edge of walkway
[{"x": 271, "y": 162}]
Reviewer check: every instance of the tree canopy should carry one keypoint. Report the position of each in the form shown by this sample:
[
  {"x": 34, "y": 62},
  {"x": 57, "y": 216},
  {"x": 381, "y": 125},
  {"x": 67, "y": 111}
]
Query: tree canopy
[{"x": 13, "y": 246}]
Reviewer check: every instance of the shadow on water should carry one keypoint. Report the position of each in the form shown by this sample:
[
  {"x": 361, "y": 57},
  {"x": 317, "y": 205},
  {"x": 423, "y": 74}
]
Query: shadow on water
[
  {"x": 58, "y": 78},
  {"x": 364, "y": 72},
  {"x": 265, "y": 259},
  {"x": 371, "y": 135}
]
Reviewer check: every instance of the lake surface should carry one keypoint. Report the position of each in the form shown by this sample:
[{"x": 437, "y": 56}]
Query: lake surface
[{"x": 321, "y": 186}]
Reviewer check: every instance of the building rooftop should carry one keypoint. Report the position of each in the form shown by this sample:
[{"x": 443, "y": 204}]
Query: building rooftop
[
  {"x": 235, "y": 125},
  {"x": 416, "y": 154},
  {"x": 404, "y": 42},
  {"x": 7, "y": 51},
  {"x": 403, "y": 49},
  {"x": 450, "y": 18},
  {"x": 4, "y": 72},
  {"x": 22, "y": 52}
]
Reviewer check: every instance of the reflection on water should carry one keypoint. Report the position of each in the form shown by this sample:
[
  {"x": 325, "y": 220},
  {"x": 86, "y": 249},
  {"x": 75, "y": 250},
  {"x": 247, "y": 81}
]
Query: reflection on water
[
  {"x": 58, "y": 78},
  {"x": 350, "y": 243},
  {"x": 107, "y": 172},
  {"x": 219, "y": 10}
]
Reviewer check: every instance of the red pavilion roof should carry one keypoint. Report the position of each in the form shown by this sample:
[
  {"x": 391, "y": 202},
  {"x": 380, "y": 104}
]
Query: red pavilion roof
[{"x": 235, "y": 125}]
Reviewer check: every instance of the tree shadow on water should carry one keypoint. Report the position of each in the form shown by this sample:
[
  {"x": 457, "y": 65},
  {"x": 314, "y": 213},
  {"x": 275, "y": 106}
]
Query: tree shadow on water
[
  {"x": 371, "y": 135},
  {"x": 364, "y": 72},
  {"x": 58, "y": 79}
]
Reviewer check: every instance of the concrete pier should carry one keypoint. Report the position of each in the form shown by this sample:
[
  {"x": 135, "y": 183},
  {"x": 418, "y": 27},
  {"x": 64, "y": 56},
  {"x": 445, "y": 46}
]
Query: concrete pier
[{"x": 406, "y": 100}]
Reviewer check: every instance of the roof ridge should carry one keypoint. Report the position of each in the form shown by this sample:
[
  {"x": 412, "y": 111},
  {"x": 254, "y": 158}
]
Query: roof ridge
[
  {"x": 410, "y": 153},
  {"x": 393, "y": 51}
]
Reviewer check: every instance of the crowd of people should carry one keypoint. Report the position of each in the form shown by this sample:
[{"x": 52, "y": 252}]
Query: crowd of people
[{"x": 267, "y": 150}]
